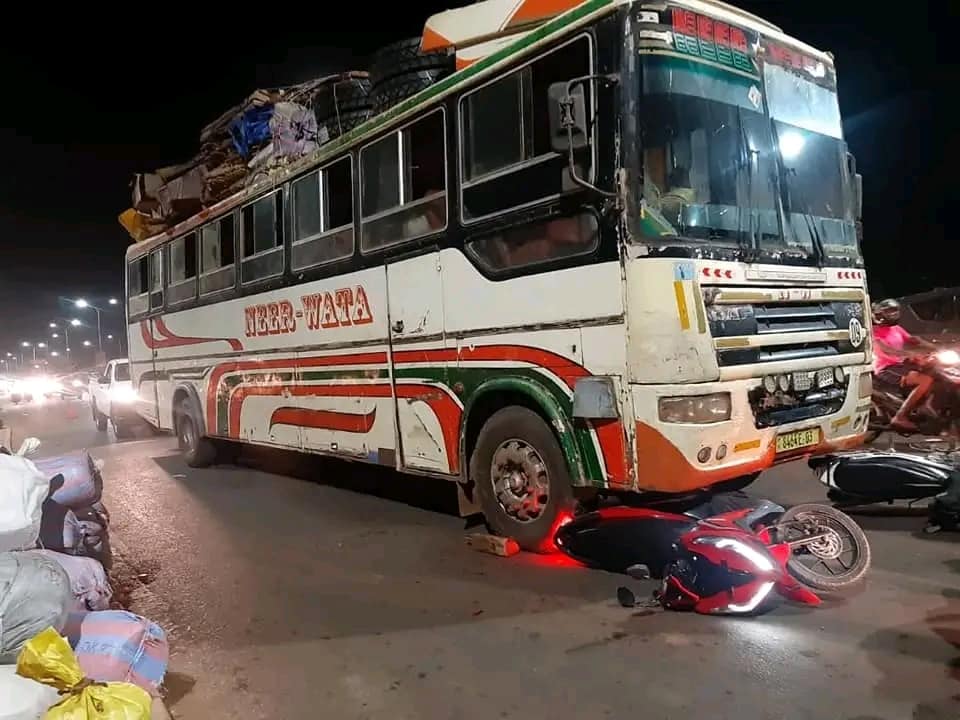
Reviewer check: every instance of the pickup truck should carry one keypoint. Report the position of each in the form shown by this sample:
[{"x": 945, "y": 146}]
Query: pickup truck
[{"x": 113, "y": 398}]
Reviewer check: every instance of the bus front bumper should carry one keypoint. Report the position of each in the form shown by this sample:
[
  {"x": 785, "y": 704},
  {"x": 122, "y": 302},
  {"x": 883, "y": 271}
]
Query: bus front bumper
[{"x": 680, "y": 457}]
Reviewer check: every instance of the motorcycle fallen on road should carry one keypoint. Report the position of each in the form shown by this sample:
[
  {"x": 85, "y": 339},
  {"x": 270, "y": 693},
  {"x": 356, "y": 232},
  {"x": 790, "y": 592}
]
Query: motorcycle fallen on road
[
  {"x": 930, "y": 471},
  {"x": 737, "y": 562},
  {"x": 938, "y": 414}
]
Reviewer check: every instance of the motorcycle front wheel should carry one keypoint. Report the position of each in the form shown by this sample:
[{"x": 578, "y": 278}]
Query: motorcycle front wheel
[{"x": 829, "y": 550}]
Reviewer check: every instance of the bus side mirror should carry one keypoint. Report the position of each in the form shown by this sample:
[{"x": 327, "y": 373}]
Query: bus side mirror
[
  {"x": 858, "y": 196},
  {"x": 568, "y": 116},
  {"x": 857, "y": 181}
]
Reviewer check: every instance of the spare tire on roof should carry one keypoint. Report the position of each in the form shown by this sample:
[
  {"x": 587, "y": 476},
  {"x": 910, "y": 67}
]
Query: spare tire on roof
[
  {"x": 338, "y": 125},
  {"x": 404, "y": 57},
  {"x": 349, "y": 95},
  {"x": 399, "y": 88}
]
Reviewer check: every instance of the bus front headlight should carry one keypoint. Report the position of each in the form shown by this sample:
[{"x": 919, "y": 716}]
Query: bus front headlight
[{"x": 695, "y": 409}]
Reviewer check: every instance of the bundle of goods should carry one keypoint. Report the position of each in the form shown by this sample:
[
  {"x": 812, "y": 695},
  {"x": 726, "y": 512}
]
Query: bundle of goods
[
  {"x": 267, "y": 131},
  {"x": 47, "y": 660},
  {"x": 55, "y": 599}
]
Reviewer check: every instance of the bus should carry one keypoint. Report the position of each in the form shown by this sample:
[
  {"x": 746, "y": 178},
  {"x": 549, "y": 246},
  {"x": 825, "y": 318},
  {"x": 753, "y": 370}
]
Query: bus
[{"x": 615, "y": 251}]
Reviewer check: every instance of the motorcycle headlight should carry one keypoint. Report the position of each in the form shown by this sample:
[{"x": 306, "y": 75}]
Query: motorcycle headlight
[{"x": 948, "y": 357}]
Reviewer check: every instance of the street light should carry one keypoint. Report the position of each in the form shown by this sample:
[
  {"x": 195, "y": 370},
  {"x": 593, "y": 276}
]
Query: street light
[
  {"x": 53, "y": 325},
  {"x": 113, "y": 301},
  {"x": 54, "y": 354},
  {"x": 86, "y": 343},
  {"x": 76, "y": 323},
  {"x": 82, "y": 304}
]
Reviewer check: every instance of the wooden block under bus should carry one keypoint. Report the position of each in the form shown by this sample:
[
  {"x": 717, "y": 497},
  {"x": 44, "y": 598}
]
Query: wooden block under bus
[{"x": 493, "y": 544}]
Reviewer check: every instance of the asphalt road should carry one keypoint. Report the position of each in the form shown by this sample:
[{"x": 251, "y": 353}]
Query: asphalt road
[{"x": 328, "y": 590}]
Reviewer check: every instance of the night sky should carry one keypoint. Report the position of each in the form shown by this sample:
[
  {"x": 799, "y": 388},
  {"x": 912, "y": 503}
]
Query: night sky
[{"x": 84, "y": 111}]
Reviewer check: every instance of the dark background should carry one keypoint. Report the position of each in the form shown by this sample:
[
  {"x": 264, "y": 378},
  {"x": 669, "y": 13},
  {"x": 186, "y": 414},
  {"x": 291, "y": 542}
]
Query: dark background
[{"x": 87, "y": 104}]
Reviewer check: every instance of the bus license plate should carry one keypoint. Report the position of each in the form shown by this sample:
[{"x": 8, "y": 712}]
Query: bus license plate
[{"x": 798, "y": 439}]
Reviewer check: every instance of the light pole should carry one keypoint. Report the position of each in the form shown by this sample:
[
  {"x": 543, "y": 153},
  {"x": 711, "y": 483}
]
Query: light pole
[
  {"x": 83, "y": 304},
  {"x": 28, "y": 345}
]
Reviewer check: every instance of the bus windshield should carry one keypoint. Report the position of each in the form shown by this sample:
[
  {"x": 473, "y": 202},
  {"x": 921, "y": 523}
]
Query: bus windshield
[{"x": 749, "y": 162}]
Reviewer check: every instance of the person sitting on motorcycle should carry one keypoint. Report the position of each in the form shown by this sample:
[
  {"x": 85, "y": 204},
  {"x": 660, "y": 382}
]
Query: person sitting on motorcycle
[{"x": 890, "y": 341}]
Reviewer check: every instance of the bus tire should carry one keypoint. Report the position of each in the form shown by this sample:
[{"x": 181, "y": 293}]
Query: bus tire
[
  {"x": 521, "y": 477},
  {"x": 404, "y": 56},
  {"x": 198, "y": 451}
]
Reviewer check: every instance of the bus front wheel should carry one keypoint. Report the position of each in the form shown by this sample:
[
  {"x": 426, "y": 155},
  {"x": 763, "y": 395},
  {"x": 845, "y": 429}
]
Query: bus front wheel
[
  {"x": 521, "y": 477},
  {"x": 197, "y": 450}
]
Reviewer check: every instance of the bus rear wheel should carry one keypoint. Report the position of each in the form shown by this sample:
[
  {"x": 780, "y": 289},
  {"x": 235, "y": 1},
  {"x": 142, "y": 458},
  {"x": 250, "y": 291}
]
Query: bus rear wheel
[
  {"x": 198, "y": 451},
  {"x": 521, "y": 478}
]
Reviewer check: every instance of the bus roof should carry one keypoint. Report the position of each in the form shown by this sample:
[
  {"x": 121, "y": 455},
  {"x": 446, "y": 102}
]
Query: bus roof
[{"x": 543, "y": 20}]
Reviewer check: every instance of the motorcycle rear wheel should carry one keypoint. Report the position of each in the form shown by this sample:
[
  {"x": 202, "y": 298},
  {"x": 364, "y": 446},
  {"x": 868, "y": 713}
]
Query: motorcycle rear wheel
[{"x": 813, "y": 519}]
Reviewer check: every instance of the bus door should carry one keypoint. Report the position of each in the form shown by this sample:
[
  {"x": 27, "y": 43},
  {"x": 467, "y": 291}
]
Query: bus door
[
  {"x": 148, "y": 401},
  {"x": 415, "y": 308}
]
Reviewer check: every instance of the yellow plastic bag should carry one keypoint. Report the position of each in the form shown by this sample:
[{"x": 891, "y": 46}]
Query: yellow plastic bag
[{"x": 47, "y": 658}]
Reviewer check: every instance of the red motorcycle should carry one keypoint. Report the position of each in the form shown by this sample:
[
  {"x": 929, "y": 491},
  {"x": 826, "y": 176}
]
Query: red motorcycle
[
  {"x": 939, "y": 414},
  {"x": 739, "y": 562}
]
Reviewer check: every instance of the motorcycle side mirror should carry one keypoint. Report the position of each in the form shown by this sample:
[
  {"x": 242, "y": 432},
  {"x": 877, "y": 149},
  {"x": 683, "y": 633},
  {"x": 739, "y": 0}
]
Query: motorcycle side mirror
[{"x": 626, "y": 598}]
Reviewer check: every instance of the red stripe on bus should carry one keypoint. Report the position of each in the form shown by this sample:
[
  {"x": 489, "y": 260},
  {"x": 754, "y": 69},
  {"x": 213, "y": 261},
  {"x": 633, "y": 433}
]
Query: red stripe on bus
[
  {"x": 369, "y": 358},
  {"x": 168, "y": 339},
  {"x": 445, "y": 408},
  {"x": 566, "y": 369},
  {"x": 324, "y": 419}
]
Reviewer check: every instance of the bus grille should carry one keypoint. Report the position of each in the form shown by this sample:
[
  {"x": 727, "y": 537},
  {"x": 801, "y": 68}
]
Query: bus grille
[{"x": 824, "y": 326}]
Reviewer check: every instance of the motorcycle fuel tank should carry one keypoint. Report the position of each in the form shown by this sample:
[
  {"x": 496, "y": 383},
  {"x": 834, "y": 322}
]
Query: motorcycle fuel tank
[
  {"x": 618, "y": 538},
  {"x": 883, "y": 476}
]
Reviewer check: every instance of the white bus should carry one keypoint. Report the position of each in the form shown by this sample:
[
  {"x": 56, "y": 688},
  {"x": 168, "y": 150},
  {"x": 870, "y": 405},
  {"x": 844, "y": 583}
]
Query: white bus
[{"x": 614, "y": 252}]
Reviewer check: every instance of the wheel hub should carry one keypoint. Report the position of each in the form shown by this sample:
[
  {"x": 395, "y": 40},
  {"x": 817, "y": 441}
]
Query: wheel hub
[
  {"x": 827, "y": 547},
  {"x": 520, "y": 480}
]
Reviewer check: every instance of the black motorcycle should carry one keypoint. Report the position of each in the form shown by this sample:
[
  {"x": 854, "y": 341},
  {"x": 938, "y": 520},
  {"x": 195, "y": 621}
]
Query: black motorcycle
[{"x": 930, "y": 471}]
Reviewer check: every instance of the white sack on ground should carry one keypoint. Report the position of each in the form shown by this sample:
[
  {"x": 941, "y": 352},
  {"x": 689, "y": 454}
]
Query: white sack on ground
[
  {"x": 22, "y": 698},
  {"x": 88, "y": 580},
  {"x": 34, "y": 595},
  {"x": 23, "y": 488}
]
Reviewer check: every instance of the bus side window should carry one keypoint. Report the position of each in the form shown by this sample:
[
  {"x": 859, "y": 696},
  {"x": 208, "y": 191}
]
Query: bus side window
[
  {"x": 323, "y": 215},
  {"x": 183, "y": 269},
  {"x": 508, "y": 158},
  {"x": 217, "y": 268},
  {"x": 156, "y": 279},
  {"x": 262, "y": 234},
  {"x": 536, "y": 243},
  {"x": 404, "y": 184},
  {"x": 138, "y": 286}
]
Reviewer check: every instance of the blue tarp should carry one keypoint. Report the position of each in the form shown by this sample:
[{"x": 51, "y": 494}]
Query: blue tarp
[{"x": 251, "y": 129}]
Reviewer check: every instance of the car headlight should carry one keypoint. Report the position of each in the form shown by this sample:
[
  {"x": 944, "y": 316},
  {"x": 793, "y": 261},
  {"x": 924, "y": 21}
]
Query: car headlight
[
  {"x": 77, "y": 383},
  {"x": 948, "y": 357},
  {"x": 696, "y": 409},
  {"x": 123, "y": 395}
]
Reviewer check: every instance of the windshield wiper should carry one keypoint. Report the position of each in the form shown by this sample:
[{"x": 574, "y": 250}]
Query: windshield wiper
[{"x": 786, "y": 198}]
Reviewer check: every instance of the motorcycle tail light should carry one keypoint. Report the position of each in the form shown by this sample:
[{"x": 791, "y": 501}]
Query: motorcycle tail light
[{"x": 866, "y": 385}]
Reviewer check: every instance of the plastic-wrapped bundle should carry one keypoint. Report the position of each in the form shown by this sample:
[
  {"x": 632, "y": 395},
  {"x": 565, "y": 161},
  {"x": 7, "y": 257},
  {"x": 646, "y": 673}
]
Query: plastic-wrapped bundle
[
  {"x": 88, "y": 580},
  {"x": 81, "y": 484},
  {"x": 34, "y": 594},
  {"x": 118, "y": 646},
  {"x": 23, "y": 489}
]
